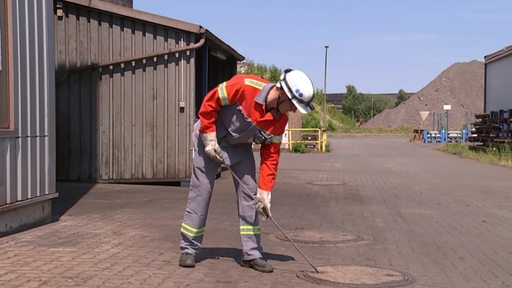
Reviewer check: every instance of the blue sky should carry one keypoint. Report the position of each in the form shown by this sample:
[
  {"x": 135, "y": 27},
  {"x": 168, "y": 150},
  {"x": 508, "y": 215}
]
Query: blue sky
[{"x": 379, "y": 46}]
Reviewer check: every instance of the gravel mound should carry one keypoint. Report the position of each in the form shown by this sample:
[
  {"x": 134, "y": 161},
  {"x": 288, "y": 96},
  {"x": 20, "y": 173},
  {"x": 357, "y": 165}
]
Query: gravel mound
[{"x": 461, "y": 85}]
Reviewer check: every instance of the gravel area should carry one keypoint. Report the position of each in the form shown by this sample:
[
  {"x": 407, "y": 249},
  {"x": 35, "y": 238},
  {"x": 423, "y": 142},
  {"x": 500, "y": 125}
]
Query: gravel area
[{"x": 461, "y": 85}]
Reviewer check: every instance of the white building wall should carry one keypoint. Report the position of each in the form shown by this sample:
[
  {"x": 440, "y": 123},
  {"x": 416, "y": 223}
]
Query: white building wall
[{"x": 498, "y": 84}]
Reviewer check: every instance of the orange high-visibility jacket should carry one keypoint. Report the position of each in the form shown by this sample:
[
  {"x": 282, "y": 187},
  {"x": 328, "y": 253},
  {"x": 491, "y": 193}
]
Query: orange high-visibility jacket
[{"x": 239, "y": 105}]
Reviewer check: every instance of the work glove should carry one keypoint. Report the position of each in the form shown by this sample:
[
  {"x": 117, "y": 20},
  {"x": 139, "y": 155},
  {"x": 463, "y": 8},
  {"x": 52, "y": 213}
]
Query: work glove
[
  {"x": 263, "y": 203},
  {"x": 211, "y": 147}
]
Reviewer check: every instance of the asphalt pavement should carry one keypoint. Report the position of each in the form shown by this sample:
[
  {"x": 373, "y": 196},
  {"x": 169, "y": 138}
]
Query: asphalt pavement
[{"x": 443, "y": 219}]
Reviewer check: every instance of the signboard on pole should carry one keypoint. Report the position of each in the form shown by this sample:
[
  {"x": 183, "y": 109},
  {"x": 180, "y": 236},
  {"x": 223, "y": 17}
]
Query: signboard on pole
[{"x": 424, "y": 115}]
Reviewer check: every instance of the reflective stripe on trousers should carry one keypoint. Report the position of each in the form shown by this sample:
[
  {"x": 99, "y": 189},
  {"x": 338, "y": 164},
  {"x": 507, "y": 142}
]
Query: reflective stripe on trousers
[{"x": 200, "y": 192}]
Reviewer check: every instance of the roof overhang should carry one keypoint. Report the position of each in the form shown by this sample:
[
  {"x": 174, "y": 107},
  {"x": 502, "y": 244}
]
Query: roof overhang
[
  {"x": 498, "y": 54},
  {"x": 160, "y": 20}
]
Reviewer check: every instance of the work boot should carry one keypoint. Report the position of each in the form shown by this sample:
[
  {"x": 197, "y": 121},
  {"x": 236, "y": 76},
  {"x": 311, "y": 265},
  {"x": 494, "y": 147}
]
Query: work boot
[
  {"x": 258, "y": 265},
  {"x": 187, "y": 260}
]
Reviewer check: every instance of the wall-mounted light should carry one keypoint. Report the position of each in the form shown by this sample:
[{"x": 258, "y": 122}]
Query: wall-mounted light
[
  {"x": 218, "y": 54},
  {"x": 59, "y": 9}
]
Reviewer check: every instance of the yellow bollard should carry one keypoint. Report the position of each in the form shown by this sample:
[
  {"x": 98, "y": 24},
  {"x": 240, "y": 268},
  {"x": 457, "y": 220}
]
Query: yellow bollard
[
  {"x": 290, "y": 139},
  {"x": 324, "y": 139}
]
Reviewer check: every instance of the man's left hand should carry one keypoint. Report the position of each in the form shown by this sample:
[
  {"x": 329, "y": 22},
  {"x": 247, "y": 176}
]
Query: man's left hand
[{"x": 263, "y": 203}]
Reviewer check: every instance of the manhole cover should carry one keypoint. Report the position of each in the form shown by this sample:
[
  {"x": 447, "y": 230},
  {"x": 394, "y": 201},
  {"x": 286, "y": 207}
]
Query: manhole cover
[
  {"x": 357, "y": 277},
  {"x": 325, "y": 183},
  {"x": 320, "y": 237}
]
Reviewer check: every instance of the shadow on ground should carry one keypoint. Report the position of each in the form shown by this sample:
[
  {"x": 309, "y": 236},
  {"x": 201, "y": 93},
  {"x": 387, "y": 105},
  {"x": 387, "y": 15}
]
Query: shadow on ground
[
  {"x": 69, "y": 194},
  {"x": 236, "y": 255}
]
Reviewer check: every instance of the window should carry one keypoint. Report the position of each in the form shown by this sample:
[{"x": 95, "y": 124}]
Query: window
[{"x": 5, "y": 101}]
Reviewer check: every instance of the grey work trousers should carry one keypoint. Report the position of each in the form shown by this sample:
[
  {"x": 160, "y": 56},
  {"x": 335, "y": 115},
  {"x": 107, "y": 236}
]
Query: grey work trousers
[{"x": 240, "y": 158}]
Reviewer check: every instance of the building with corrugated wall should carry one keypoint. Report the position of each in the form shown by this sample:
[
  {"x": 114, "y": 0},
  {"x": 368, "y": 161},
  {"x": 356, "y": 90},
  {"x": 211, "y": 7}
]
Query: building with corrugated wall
[
  {"x": 498, "y": 80},
  {"x": 129, "y": 84},
  {"x": 27, "y": 124},
  {"x": 126, "y": 3},
  {"x": 94, "y": 91}
]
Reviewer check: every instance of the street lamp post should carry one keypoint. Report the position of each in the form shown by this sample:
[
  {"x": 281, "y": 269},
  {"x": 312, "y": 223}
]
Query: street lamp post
[{"x": 325, "y": 84}]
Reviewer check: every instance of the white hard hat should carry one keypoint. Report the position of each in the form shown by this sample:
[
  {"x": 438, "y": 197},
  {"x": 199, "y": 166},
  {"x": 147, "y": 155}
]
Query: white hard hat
[{"x": 299, "y": 88}]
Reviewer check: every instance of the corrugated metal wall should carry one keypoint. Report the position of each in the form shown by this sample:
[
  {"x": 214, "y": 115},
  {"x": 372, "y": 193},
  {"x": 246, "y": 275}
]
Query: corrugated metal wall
[
  {"x": 498, "y": 84},
  {"x": 27, "y": 153},
  {"x": 122, "y": 120},
  {"x": 127, "y": 3}
]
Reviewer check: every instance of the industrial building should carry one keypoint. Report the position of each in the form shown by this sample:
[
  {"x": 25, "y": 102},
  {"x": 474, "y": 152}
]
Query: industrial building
[{"x": 96, "y": 92}]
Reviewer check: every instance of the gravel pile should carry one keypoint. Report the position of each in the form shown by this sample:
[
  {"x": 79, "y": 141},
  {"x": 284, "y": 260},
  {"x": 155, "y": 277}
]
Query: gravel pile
[{"x": 461, "y": 85}]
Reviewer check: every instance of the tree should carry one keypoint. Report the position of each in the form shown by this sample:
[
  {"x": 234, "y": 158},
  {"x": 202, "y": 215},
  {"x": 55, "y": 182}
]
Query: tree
[
  {"x": 373, "y": 105},
  {"x": 402, "y": 97},
  {"x": 352, "y": 104},
  {"x": 274, "y": 73},
  {"x": 271, "y": 73}
]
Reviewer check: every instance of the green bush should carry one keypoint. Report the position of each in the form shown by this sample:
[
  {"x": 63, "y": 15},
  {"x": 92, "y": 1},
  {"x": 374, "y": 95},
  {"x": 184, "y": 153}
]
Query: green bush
[
  {"x": 310, "y": 121},
  {"x": 299, "y": 147},
  {"x": 328, "y": 147},
  {"x": 331, "y": 127}
]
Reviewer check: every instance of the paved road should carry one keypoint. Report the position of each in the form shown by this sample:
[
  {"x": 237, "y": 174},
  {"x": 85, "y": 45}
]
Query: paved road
[{"x": 443, "y": 219}]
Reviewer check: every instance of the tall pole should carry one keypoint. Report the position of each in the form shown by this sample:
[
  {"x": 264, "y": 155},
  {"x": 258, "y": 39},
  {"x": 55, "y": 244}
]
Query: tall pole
[
  {"x": 325, "y": 85},
  {"x": 447, "y": 122},
  {"x": 447, "y": 108}
]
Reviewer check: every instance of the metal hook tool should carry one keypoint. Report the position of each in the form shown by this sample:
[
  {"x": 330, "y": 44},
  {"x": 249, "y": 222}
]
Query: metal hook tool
[{"x": 277, "y": 225}]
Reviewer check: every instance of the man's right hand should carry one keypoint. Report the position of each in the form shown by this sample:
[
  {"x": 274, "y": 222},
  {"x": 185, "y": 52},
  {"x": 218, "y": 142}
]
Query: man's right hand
[{"x": 211, "y": 147}]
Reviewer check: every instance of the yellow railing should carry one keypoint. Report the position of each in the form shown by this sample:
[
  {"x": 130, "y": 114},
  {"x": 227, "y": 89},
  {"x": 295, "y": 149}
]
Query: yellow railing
[{"x": 312, "y": 137}]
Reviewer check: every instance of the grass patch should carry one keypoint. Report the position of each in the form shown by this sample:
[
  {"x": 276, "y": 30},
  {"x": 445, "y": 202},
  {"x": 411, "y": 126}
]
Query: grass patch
[
  {"x": 397, "y": 131},
  {"x": 496, "y": 155}
]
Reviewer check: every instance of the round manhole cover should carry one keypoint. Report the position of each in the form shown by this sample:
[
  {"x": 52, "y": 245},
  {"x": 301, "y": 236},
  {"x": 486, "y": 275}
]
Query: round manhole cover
[
  {"x": 357, "y": 276},
  {"x": 320, "y": 237}
]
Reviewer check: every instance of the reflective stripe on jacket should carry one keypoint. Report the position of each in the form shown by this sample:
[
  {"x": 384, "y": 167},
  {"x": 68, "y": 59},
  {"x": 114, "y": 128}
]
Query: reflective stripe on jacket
[{"x": 236, "y": 110}]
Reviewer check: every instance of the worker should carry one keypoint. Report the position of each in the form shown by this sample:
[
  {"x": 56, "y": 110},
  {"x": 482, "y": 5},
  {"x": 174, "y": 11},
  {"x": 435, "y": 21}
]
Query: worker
[{"x": 239, "y": 112}]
